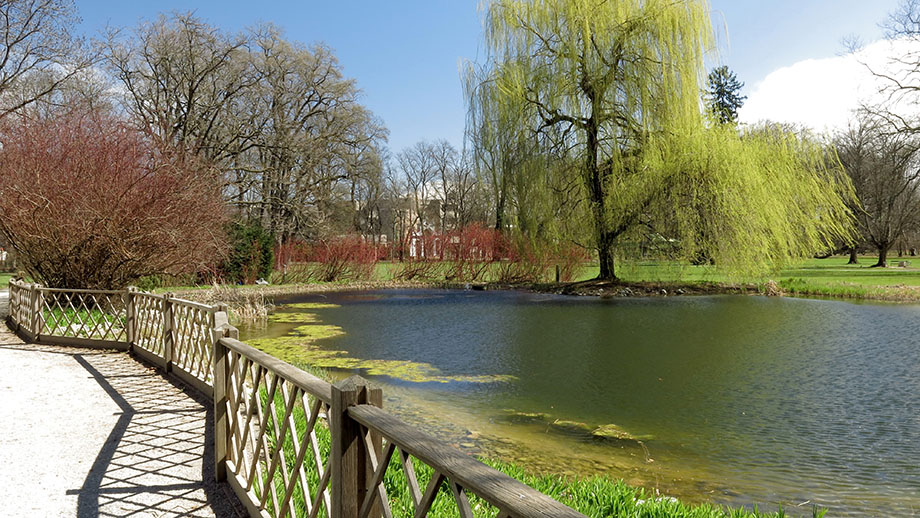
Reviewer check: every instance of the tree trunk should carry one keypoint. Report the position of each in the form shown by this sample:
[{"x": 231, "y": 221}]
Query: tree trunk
[
  {"x": 882, "y": 257},
  {"x": 500, "y": 213},
  {"x": 854, "y": 259},
  {"x": 605, "y": 256},
  {"x": 604, "y": 236}
]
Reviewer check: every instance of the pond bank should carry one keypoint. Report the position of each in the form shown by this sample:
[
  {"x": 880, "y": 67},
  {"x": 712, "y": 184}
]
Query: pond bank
[
  {"x": 249, "y": 294},
  {"x": 712, "y": 386}
]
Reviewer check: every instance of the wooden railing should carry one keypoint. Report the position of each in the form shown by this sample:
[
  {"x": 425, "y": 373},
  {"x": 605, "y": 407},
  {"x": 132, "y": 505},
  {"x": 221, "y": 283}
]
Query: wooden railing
[
  {"x": 287, "y": 442},
  {"x": 171, "y": 333}
]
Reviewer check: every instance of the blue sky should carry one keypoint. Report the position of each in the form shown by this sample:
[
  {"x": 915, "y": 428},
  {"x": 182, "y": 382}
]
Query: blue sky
[{"x": 405, "y": 55}]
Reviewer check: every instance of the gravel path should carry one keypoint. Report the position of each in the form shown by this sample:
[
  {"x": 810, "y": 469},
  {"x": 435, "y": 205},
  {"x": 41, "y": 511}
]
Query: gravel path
[{"x": 95, "y": 433}]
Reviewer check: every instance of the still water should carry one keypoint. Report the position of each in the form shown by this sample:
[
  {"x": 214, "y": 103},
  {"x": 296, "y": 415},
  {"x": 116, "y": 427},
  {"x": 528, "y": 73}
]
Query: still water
[{"x": 727, "y": 399}]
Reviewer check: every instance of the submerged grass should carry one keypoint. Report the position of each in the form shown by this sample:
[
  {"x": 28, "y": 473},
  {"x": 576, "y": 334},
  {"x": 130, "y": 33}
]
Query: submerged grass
[{"x": 597, "y": 497}]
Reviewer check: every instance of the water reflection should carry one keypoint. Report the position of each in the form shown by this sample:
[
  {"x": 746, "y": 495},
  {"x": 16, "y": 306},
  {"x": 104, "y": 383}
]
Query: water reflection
[{"x": 749, "y": 399}]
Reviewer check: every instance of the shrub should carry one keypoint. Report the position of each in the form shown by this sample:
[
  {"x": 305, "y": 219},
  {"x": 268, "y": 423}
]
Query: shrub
[
  {"x": 344, "y": 258},
  {"x": 251, "y": 256},
  {"x": 571, "y": 260},
  {"x": 88, "y": 202},
  {"x": 417, "y": 270},
  {"x": 472, "y": 250}
]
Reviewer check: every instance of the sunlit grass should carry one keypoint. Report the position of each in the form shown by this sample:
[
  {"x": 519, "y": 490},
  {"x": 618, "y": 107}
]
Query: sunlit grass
[{"x": 823, "y": 277}]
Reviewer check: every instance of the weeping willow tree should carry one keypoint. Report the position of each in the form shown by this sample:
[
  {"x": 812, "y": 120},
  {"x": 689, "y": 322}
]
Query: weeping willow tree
[
  {"x": 614, "y": 88},
  {"x": 533, "y": 195}
]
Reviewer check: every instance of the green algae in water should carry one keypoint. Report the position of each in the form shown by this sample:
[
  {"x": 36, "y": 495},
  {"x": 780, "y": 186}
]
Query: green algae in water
[
  {"x": 317, "y": 331},
  {"x": 298, "y": 346},
  {"x": 293, "y": 318},
  {"x": 311, "y": 305}
]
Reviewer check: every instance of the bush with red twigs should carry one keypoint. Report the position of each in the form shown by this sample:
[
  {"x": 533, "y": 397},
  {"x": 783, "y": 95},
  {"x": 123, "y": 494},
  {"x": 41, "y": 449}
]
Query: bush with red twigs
[
  {"x": 471, "y": 251},
  {"x": 344, "y": 258},
  {"x": 528, "y": 264},
  {"x": 88, "y": 202}
]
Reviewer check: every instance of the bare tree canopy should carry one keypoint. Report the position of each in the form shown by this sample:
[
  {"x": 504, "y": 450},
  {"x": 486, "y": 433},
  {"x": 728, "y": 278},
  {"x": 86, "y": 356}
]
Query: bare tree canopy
[
  {"x": 182, "y": 77},
  {"x": 276, "y": 117},
  {"x": 38, "y": 51},
  {"x": 884, "y": 166}
]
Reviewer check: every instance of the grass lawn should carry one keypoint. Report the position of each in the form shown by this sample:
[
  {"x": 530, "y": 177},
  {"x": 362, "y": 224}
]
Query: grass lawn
[
  {"x": 5, "y": 280},
  {"x": 830, "y": 277},
  {"x": 825, "y": 271},
  {"x": 822, "y": 277}
]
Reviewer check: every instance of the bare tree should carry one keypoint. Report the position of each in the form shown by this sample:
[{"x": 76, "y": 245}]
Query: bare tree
[
  {"x": 278, "y": 118},
  {"x": 38, "y": 51},
  {"x": 313, "y": 139},
  {"x": 418, "y": 169},
  {"x": 885, "y": 169},
  {"x": 446, "y": 161},
  {"x": 182, "y": 77}
]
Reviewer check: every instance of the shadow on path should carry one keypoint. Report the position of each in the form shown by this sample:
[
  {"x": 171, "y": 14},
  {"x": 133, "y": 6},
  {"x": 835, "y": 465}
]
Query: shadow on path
[{"x": 158, "y": 458}]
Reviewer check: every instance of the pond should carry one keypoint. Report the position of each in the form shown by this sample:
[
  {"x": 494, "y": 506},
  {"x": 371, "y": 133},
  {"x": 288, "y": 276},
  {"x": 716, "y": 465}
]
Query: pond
[{"x": 726, "y": 399}]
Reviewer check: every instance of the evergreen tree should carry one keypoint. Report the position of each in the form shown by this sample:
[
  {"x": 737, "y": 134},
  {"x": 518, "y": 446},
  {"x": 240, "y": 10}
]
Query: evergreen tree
[{"x": 723, "y": 94}]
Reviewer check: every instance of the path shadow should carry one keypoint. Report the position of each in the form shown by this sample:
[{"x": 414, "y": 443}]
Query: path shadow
[{"x": 158, "y": 460}]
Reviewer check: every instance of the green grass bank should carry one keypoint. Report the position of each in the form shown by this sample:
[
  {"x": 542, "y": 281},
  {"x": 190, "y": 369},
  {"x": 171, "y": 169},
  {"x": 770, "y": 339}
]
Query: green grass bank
[{"x": 830, "y": 277}]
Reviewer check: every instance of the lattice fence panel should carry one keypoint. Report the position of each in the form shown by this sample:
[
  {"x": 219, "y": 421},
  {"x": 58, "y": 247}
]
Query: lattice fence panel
[
  {"x": 403, "y": 485},
  {"x": 96, "y": 315},
  {"x": 20, "y": 305},
  {"x": 148, "y": 331},
  {"x": 279, "y": 442},
  {"x": 192, "y": 326}
]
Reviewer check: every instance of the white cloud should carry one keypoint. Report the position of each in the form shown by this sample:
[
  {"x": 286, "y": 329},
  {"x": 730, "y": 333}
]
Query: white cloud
[{"x": 822, "y": 93}]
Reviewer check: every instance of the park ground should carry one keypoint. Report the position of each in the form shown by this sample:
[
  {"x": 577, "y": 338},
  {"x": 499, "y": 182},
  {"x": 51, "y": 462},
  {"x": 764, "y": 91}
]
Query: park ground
[{"x": 830, "y": 277}]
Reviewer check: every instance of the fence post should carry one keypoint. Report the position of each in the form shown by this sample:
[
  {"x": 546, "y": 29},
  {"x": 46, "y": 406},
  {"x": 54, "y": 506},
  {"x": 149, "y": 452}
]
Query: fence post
[
  {"x": 38, "y": 317},
  {"x": 219, "y": 379},
  {"x": 351, "y": 471},
  {"x": 16, "y": 305},
  {"x": 229, "y": 331},
  {"x": 168, "y": 334},
  {"x": 131, "y": 316}
]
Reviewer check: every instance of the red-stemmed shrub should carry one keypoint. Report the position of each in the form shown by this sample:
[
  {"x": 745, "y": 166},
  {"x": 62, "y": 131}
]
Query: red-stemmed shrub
[
  {"x": 344, "y": 258},
  {"x": 88, "y": 202},
  {"x": 526, "y": 263},
  {"x": 471, "y": 252}
]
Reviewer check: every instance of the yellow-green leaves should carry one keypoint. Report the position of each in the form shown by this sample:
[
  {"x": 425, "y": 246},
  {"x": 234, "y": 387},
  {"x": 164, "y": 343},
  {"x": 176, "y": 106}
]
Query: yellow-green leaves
[{"x": 607, "y": 95}]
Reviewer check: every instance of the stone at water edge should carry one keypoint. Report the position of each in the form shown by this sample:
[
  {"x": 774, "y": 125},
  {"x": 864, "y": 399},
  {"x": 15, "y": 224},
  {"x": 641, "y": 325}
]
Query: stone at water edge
[
  {"x": 563, "y": 425},
  {"x": 614, "y": 432},
  {"x": 515, "y": 416}
]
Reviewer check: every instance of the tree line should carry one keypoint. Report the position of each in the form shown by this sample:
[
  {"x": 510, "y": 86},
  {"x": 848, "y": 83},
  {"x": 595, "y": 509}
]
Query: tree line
[{"x": 584, "y": 130}]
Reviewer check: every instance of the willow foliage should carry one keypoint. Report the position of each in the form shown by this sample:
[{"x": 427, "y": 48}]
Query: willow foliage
[
  {"x": 751, "y": 203},
  {"x": 612, "y": 90}
]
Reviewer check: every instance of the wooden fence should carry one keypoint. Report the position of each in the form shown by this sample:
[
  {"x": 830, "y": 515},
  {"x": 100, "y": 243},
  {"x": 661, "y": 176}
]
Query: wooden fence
[{"x": 287, "y": 442}]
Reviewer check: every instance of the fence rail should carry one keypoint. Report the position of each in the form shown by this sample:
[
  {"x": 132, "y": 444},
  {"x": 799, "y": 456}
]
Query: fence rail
[{"x": 287, "y": 442}]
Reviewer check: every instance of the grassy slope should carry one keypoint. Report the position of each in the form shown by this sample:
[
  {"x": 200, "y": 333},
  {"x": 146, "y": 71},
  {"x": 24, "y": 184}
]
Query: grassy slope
[
  {"x": 830, "y": 277},
  {"x": 826, "y": 277}
]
